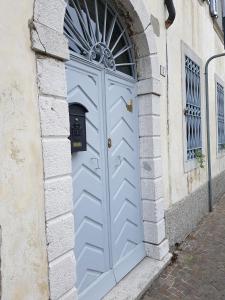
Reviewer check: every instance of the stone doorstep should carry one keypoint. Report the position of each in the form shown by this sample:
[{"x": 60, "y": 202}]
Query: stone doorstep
[{"x": 138, "y": 281}]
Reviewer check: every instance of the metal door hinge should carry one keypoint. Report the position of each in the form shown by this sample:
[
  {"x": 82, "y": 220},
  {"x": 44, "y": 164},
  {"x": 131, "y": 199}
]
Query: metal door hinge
[{"x": 130, "y": 105}]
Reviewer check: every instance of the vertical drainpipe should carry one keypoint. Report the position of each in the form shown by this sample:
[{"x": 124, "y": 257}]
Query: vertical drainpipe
[
  {"x": 213, "y": 9},
  {"x": 223, "y": 8},
  {"x": 172, "y": 13},
  {"x": 210, "y": 195}
]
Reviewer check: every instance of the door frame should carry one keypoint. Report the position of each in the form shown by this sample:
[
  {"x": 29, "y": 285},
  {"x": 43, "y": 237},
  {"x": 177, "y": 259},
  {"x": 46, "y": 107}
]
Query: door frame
[{"x": 51, "y": 51}]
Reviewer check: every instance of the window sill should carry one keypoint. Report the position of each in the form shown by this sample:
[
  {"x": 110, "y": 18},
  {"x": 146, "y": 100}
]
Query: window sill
[{"x": 190, "y": 165}]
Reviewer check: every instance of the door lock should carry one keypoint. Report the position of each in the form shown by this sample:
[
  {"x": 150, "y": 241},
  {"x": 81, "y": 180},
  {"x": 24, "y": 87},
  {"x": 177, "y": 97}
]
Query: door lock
[{"x": 109, "y": 143}]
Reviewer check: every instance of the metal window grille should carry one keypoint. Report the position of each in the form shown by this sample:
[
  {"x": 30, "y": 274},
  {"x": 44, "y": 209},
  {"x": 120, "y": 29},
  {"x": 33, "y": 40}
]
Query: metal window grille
[
  {"x": 193, "y": 108},
  {"x": 220, "y": 116},
  {"x": 95, "y": 32}
]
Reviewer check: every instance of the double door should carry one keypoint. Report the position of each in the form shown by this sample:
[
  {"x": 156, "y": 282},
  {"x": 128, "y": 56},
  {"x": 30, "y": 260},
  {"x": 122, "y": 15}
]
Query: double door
[{"x": 106, "y": 191}]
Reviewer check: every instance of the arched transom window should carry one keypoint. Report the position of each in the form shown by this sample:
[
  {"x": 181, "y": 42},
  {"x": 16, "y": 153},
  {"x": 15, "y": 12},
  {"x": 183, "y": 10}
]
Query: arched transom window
[{"x": 95, "y": 32}]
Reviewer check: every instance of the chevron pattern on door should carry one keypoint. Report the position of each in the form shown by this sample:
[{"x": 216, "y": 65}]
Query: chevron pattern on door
[
  {"x": 123, "y": 156},
  {"x": 108, "y": 226},
  {"x": 89, "y": 181}
]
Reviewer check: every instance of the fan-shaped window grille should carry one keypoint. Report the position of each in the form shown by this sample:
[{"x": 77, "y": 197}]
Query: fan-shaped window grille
[{"x": 95, "y": 32}]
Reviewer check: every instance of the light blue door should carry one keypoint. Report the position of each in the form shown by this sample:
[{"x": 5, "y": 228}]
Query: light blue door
[
  {"x": 106, "y": 192},
  {"x": 124, "y": 176},
  {"x": 94, "y": 275}
]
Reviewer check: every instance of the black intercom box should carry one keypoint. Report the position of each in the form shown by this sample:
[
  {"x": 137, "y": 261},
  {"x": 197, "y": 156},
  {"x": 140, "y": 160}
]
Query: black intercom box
[{"x": 77, "y": 127}]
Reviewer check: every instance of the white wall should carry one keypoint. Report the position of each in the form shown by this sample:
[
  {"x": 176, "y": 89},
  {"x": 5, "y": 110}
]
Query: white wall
[
  {"x": 23, "y": 247},
  {"x": 193, "y": 26}
]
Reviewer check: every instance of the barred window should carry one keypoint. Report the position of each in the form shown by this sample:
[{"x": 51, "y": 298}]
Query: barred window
[
  {"x": 193, "y": 108},
  {"x": 220, "y": 116}
]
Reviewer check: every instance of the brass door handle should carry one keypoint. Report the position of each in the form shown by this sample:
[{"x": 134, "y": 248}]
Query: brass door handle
[{"x": 129, "y": 106}]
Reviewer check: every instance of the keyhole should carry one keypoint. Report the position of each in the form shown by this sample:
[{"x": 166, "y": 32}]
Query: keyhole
[{"x": 109, "y": 143}]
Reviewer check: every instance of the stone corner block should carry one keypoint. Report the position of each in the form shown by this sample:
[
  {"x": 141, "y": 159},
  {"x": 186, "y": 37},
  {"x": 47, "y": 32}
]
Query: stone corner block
[
  {"x": 54, "y": 116},
  {"x": 148, "y": 67},
  {"x": 145, "y": 43},
  {"x": 62, "y": 276},
  {"x": 51, "y": 76},
  {"x": 152, "y": 189},
  {"x": 149, "y": 86},
  {"x": 57, "y": 157},
  {"x": 60, "y": 236},
  {"x": 149, "y": 104},
  {"x": 151, "y": 168},
  {"x": 49, "y": 41},
  {"x": 150, "y": 147},
  {"x": 153, "y": 211},
  {"x": 154, "y": 232},
  {"x": 58, "y": 196},
  {"x": 149, "y": 126},
  {"x": 157, "y": 251},
  {"x": 50, "y": 13}
]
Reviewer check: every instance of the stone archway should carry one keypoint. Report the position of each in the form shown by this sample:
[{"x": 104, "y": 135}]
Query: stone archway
[{"x": 51, "y": 50}]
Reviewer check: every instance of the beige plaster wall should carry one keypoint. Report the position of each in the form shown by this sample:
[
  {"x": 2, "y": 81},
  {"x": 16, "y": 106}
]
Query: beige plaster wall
[
  {"x": 193, "y": 26},
  {"x": 23, "y": 247}
]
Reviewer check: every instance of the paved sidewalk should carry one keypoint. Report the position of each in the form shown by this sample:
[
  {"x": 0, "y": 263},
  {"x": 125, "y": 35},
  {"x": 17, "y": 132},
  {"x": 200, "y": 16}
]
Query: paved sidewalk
[{"x": 199, "y": 270}]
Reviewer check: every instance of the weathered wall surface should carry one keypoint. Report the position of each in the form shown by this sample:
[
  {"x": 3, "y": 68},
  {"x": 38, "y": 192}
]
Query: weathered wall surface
[
  {"x": 184, "y": 216},
  {"x": 23, "y": 248},
  {"x": 194, "y": 27}
]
